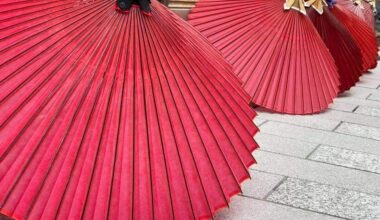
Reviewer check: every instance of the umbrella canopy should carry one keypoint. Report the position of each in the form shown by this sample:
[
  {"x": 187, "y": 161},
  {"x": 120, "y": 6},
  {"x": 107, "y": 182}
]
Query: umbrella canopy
[
  {"x": 113, "y": 116},
  {"x": 363, "y": 35},
  {"x": 361, "y": 8},
  {"x": 283, "y": 62},
  {"x": 341, "y": 45}
]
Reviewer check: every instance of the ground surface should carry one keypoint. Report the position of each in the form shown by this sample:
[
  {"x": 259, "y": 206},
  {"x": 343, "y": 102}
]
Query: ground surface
[{"x": 324, "y": 166}]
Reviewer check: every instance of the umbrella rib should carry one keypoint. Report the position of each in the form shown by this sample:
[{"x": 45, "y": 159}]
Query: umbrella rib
[
  {"x": 166, "y": 58},
  {"x": 63, "y": 138},
  {"x": 194, "y": 121}
]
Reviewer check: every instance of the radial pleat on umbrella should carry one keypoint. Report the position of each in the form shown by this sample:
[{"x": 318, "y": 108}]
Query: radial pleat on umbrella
[
  {"x": 363, "y": 35},
  {"x": 361, "y": 8},
  {"x": 369, "y": 15},
  {"x": 342, "y": 47},
  {"x": 283, "y": 62},
  {"x": 112, "y": 116}
]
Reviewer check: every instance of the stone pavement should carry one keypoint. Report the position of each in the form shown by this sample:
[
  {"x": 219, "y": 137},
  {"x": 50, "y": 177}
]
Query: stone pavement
[{"x": 324, "y": 166}]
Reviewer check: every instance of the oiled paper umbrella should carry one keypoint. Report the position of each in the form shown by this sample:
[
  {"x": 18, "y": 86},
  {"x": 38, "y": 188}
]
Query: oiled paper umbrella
[
  {"x": 116, "y": 116},
  {"x": 342, "y": 46},
  {"x": 361, "y": 8},
  {"x": 278, "y": 54},
  {"x": 363, "y": 35}
]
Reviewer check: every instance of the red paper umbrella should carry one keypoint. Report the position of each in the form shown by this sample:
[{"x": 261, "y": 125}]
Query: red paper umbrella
[
  {"x": 113, "y": 116},
  {"x": 342, "y": 46},
  {"x": 361, "y": 8},
  {"x": 369, "y": 15},
  {"x": 278, "y": 54},
  {"x": 363, "y": 35}
]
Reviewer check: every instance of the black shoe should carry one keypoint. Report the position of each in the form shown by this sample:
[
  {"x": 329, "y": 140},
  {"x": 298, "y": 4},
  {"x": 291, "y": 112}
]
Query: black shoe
[
  {"x": 124, "y": 5},
  {"x": 145, "y": 7}
]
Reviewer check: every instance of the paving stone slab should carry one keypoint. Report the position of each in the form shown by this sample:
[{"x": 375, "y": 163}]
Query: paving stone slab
[
  {"x": 363, "y": 92},
  {"x": 258, "y": 121},
  {"x": 364, "y": 110},
  {"x": 310, "y": 121},
  {"x": 283, "y": 145},
  {"x": 348, "y": 117},
  {"x": 347, "y": 158},
  {"x": 243, "y": 208},
  {"x": 357, "y": 92},
  {"x": 373, "y": 74},
  {"x": 261, "y": 184},
  {"x": 327, "y": 199},
  {"x": 347, "y": 107},
  {"x": 368, "y": 83},
  {"x": 375, "y": 97},
  {"x": 322, "y": 137},
  {"x": 359, "y": 130},
  {"x": 356, "y": 101},
  {"x": 352, "y": 179}
]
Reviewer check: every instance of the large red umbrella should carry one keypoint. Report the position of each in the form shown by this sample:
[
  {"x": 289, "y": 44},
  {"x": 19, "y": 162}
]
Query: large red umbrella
[
  {"x": 283, "y": 62},
  {"x": 342, "y": 46},
  {"x": 113, "y": 116},
  {"x": 363, "y": 35},
  {"x": 361, "y": 8}
]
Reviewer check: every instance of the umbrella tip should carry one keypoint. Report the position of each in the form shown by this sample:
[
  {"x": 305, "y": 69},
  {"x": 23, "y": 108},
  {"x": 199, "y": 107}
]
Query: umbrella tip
[
  {"x": 298, "y": 5},
  {"x": 359, "y": 3},
  {"x": 317, "y": 5}
]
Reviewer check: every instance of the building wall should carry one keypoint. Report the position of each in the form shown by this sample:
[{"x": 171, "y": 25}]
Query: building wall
[{"x": 182, "y": 7}]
